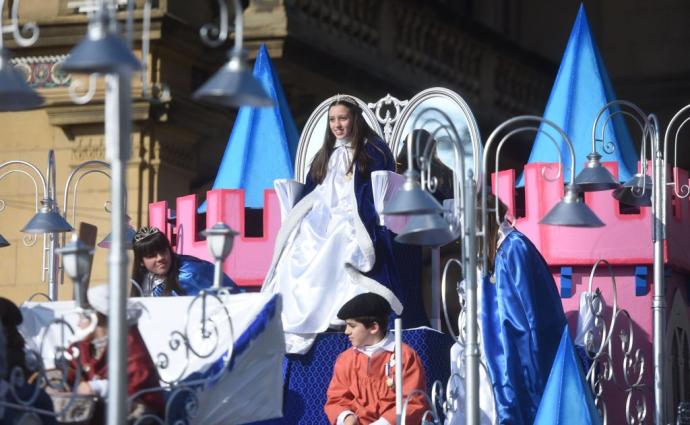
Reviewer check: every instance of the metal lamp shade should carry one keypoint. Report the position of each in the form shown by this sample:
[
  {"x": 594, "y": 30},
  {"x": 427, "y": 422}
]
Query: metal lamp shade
[
  {"x": 15, "y": 94},
  {"x": 595, "y": 177},
  {"x": 426, "y": 230},
  {"x": 233, "y": 85},
  {"x": 46, "y": 221},
  {"x": 101, "y": 51},
  {"x": 220, "y": 239},
  {"x": 3, "y": 242},
  {"x": 636, "y": 192},
  {"x": 572, "y": 212},
  {"x": 129, "y": 238},
  {"x": 412, "y": 199}
]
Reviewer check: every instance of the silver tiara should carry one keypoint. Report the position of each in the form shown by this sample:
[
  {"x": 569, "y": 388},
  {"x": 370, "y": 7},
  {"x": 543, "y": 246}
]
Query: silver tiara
[
  {"x": 339, "y": 98},
  {"x": 145, "y": 232}
]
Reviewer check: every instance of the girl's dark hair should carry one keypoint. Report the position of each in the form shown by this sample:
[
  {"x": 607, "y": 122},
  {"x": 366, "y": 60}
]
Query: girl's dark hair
[
  {"x": 492, "y": 229},
  {"x": 360, "y": 132},
  {"x": 150, "y": 246}
]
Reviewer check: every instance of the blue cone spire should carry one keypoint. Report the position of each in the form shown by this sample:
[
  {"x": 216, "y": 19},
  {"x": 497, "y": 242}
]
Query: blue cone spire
[
  {"x": 581, "y": 89},
  {"x": 262, "y": 144},
  {"x": 567, "y": 400}
]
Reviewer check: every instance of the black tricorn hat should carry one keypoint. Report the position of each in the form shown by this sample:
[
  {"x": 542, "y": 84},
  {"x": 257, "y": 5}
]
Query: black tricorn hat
[{"x": 365, "y": 305}]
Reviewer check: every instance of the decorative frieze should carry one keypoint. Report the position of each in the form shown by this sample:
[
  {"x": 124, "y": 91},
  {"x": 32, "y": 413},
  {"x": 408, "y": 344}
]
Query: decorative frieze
[{"x": 42, "y": 71}]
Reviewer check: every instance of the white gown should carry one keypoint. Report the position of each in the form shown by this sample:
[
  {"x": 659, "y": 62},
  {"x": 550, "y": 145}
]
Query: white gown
[{"x": 321, "y": 252}]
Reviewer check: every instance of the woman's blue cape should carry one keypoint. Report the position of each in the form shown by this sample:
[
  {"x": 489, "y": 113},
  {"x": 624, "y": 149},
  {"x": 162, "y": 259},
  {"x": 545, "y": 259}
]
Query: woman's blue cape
[
  {"x": 196, "y": 274},
  {"x": 522, "y": 321}
]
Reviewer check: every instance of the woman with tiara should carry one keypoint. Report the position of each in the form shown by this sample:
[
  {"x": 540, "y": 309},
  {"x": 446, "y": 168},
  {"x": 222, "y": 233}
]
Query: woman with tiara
[
  {"x": 159, "y": 271},
  {"x": 331, "y": 246}
]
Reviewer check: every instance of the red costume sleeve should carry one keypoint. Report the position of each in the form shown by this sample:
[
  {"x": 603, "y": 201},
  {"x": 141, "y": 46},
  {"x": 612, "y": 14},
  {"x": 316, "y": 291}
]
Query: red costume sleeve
[
  {"x": 141, "y": 372},
  {"x": 413, "y": 378},
  {"x": 338, "y": 397}
]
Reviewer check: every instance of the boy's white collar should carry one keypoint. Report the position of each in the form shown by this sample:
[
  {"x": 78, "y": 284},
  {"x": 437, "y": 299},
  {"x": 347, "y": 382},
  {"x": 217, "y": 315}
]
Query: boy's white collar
[{"x": 386, "y": 344}]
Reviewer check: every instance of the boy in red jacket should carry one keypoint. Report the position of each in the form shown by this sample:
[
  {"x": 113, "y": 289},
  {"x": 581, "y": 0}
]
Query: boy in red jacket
[{"x": 362, "y": 390}]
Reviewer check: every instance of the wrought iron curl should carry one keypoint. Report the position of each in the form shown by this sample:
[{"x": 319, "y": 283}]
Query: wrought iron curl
[
  {"x": 600, "y": 342},
  {"x": 89, "y": 89},
  {"x": 214, "y": 35},
  {"x": 681, "y": 190},
  {"x": 609, "y": 146},
  {"x": 28, "y": 239},
  {"x": 419, "y": 393},
  {"x": 444, "y": 276},
  {"x": 29, "y": 28},
  {"x": 210, "y": 333}
]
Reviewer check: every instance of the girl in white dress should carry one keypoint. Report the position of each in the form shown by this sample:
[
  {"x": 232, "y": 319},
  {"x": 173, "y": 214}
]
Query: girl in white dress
[{"x": 331, "y": 246}]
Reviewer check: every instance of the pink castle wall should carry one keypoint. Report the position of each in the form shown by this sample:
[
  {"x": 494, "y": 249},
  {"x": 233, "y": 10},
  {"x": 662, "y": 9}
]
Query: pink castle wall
[{"x": 625, "y": 242}]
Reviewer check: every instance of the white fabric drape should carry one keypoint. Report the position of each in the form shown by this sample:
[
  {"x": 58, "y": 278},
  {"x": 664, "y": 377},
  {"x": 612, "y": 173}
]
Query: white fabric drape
[{"x": 310, "y": 272}]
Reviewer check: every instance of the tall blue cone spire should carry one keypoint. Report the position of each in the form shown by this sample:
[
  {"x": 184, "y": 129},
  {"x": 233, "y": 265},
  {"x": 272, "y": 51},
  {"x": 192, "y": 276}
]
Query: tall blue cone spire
[
  {"x": 567, "y": 400},
  {"x": 581, "y": 89},
  {"x": 262, "y": 144}
]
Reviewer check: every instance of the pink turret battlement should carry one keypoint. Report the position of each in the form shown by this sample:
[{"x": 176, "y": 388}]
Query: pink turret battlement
[
  {"x": 250, "y": 258},
  {"x": 626, "y": 239}
]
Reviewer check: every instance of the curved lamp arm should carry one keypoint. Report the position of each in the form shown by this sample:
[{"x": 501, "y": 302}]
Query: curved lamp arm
[
  {"x": 639, "y": 116},
  {"x": 684, "y": 188},
  {"x": 29, "y": 27},
  {"x": 522, "y": 118}
]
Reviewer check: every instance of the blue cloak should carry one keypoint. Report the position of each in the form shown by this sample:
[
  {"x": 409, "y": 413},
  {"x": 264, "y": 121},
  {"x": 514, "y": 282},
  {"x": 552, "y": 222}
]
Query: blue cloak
[
  {"x": 196, "y": 274},
  {"x": 522, "y": 322}
]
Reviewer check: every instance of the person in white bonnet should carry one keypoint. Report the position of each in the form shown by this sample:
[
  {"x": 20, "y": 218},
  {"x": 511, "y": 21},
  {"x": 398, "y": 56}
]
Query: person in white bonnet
[{"x": 93, "y": 363}]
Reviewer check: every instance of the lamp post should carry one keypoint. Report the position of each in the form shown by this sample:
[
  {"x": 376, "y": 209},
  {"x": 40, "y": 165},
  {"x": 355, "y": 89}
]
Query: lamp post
[
  {"x": 103, "y": 51},
  {"x": 47, "y": 219},
  {"x": 219, "y": 239},
  {"x": 643, "y": 190},
  {"x": 411, "y": 200}
]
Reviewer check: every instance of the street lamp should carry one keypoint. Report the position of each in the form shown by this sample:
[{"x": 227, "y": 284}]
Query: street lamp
[
  {"x": 118, "y": 65},
  {"x": 570, "y": 211},
  {"x": 233, "y": 85},
  {"x": 15, "y": 94},
  {"x": 219, "y": 239},
  {"x": 76, "y": 258},
  {"x": 47, "y": 219},
  {"x": 595, "y": 177},
  {"x": 652, "y": 191}
]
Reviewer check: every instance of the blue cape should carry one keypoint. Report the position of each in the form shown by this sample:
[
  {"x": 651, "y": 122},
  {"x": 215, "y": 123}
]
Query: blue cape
[
  {"x": 196, "y": 274},
  {"x": 522, "y": 322}
]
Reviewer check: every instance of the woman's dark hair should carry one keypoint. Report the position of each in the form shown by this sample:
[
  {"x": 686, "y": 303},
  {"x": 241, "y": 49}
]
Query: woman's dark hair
[
  {"x": 360, "y": 132},
  {"x": 11, "y": 317},
  {"x": 492, "y": 228},
  {"x": 150, "y": 246}
]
